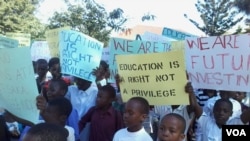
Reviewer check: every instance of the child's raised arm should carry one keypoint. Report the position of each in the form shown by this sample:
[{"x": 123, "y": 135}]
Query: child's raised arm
[
  {"x": 18, "y": 119},
  {"x": 245, "y": 116},
  {"x": 41, "y": 103},
  {"x": 193, "y": 101}
]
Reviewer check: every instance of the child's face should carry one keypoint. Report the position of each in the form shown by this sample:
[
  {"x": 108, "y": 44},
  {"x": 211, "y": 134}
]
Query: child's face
[
  {"x": 239, "y": 96},
  {"x": 50, "y": 115},
  {"x": 54, "y": 91},
  {"x": 132, "y": 116},
  {"x": 82, "y": 84},
  {"x": 170, "y": 129},
  {"x": 222, "y": 112},
  {"x": 210, "y": 93},
  {"x": 103, "y": 99},
  {"x": 55, "y": 71},
  {"x": 41, "y": 69}
]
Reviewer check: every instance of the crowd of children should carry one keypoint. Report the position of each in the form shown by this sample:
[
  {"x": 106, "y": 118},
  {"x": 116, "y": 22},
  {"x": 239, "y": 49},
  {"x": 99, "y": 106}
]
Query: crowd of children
[{"x": 75, "y": 109}]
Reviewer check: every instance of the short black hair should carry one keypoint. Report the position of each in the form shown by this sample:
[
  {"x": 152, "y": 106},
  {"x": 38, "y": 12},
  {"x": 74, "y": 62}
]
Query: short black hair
[
  {"x": 178, "y": 117},
  {"x": 63, "y": 105},
  {"x": 109, "y": 89},
  {"x": 223, "y": 100},
  {"x": 62, "y": 84},
  {"x": 144, "y": 104},
  {"x": 41, "y": 61},
  {"x": 48, "y": 132},
  {"x": 104, "y": 65},
  {"x": 53, "y": 61}
]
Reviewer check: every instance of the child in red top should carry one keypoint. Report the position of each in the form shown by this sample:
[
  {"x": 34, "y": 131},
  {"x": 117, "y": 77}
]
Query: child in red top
[
  {"x": 105, "y": 120},
  {"x": 55, "y": 70}
]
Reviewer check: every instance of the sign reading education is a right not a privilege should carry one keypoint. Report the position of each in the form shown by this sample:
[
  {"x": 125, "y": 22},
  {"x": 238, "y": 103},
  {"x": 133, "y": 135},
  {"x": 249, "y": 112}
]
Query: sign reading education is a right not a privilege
[
  {"x": 158, "y": 77},
  {"x": 79, "y": 54}
]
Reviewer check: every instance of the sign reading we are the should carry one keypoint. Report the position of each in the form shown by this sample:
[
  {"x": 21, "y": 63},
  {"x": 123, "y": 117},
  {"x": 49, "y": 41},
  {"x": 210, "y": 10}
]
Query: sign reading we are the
[
  {"x": 124, "y": 46},
  {"x": 219, "y": 62},
  {"x": 79, "y": 54},
  {"x": 158, "y": 77}
]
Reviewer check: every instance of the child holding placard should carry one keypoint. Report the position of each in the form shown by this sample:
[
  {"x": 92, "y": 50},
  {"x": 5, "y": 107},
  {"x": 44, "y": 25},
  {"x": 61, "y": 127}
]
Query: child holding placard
[
  {"x": 211, "y": 126},
  {"x": 57, "y": 88}
]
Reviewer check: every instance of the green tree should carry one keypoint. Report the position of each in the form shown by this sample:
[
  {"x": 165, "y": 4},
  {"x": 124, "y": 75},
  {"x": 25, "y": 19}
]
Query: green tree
[
  {"x": 90, "y": 18},
  {"x": 19, "y": 16},
  {"x": 243, "y": 5},
  {"x": 218, "y": 16}
]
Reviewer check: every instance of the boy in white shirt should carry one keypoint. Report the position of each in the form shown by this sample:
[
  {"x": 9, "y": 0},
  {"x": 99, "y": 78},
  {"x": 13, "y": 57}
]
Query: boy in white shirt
[
  {"x": 210, "y": 126},
  {"x": 136, "y": 111}
]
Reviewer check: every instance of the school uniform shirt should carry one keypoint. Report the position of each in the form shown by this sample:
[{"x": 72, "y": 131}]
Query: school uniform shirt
[
  {"x": 208, "y": 108},
  {"x": 209, "y": 129},
  {"x": 103, "y": 125},
  {"x": 72, "y": 121},
  {"x": 125, "y": 135},
  {"x": 82, "y": 101},
  {"x": 201, "y": 97},
  {"x": 181, "y": 110}
]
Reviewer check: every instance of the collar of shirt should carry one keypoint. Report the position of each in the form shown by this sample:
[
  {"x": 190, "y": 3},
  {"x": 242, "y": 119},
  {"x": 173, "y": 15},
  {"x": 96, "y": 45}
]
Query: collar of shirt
[{"x": 109, "y": 111}]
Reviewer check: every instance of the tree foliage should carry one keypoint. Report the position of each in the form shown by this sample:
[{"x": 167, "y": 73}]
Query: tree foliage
[
  {"x": 218, "y": 16},
  {"x": 90, "y": 18},
  {"x": 243, "y": 6},
  {"x": 18, "y": 16},
  {"x": 148, "y": 17}
]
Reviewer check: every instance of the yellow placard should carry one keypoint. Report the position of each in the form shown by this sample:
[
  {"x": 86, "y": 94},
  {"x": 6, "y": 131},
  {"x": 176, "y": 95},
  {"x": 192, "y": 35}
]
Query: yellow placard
[
  {"x": 178, "y": 45},
  {"x": 158, "y": 77},
  {"x": 52, "y": 37}
]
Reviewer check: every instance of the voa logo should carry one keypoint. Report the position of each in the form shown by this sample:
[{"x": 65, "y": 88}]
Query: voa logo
[{"x": 236, "y": 132}]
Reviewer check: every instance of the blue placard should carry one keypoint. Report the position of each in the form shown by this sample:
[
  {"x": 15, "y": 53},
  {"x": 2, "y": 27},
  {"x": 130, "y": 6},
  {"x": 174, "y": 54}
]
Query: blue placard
[{"x": 79, "y": 54}]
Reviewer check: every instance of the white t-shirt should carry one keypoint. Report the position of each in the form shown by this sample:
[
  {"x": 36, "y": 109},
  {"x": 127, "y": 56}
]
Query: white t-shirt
[
  {"x": 209, "y": 129},
  {"x": 125, "y": 135},
  {"x": 208, "y": 108},
  {"x": 82, "y": 101}
]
